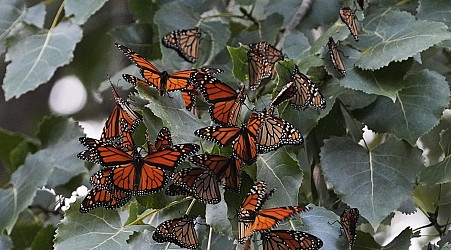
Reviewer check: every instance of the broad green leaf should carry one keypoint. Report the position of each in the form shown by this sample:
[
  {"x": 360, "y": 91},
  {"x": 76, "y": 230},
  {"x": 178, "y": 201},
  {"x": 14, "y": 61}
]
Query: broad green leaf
[
  {"x": 36, "y": 15},
  {"x": 322, "y": 223},
  {"x": 24, "y": 232},
  {"x": 320, "y": 13},
  {"x": 11, "y": 13},
  {"x": 98, "y": 229},
  {"x": 35, "y": 58},
  {"x": 430, "y": 142},
  {"x": 144, "y": 241},
  {"x": 376, "y": 181},
  {"x": 402, "y": 241},
  {"x": 219, "y": 36},
  {"x": 441, "y": 172},
  {"x": 435, "y": 10},
  {"x": 395, "y": 36},
  {"x": 239, "y": 58},
  {"x": 10, "y": 141},
  {"x": 385, "y": 82},
  {"x": 172, "y": 112},
  {"x": 281, "y": 172},
  {"x": 59, "y": 137},
  {"x": 426, "y": 197},
  {"x": 82, "y": 10},
  {"x": 216, "y": 217},
  {"x": 5, "y": 242},
  {"x": 418, "y": 107},
  {"x": 44, "y": 238},
  {"x": 296, "y": 45},
  {"x": 24, "y": 183}
]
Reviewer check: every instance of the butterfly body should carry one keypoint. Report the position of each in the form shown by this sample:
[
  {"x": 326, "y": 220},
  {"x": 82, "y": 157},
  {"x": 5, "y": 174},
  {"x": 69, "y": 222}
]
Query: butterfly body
[
  {"x": 349, "y": 19},
  {"x": 335, "y": 57}
]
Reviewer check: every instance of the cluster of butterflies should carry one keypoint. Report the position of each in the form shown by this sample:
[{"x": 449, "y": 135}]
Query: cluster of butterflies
[{"x": 129, "y": 170}]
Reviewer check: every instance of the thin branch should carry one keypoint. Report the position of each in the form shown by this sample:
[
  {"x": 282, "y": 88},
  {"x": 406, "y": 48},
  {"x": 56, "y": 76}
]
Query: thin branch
[{"x": 295, "y": 20}]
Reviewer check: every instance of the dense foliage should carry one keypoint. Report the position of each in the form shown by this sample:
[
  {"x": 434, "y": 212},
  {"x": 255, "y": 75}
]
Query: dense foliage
[{"x": 397, "y": 84}]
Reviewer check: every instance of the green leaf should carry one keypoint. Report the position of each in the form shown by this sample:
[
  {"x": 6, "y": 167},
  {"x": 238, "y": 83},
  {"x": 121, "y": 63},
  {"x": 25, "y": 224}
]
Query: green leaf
[
  {"x": 321, "y": 223},
  {"x": 218, "y": 241},
  {"x": 402, "y": 241},
  {"x": 438, "y": 11},
  {"x": 5, "y": 242},
  {"x": 239, "y": 59},
  {"x": 82, "y": 10},
  {"x": 11, "y": 141},
  {"x": 24, "y": 182},
  {"x": 376, "y": 181},
  {"x": 296, "y": 45},
  {"x": 35, "y": 58},
  {"x": 395, "y": 36},
  {"x": 11, "y": 13},
  {"x": 44, "y": 238},
  {"x": 60, "y": 136},
  {"x": 418, "y": 107},
  {"x": 282, "y": 173},
  {"x": 216, "y": 217},
  {"x": 172, "y": 112},
  {"x": 219, "y": 35},
  {"x": 24, "y": 232},
  {"x": 36, "y": 15},
  {"x": 144, "y": 241},
  {"x": 98, "y": 229},
  {"x": 439, "y": 173},
  {"x": 386, "y": 81}
]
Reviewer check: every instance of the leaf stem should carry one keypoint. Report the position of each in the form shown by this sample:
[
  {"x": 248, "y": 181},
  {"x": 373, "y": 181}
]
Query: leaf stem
[
  {"x": 57, "y": 16},
  {"x": 141, "y": 218},
  {"x": 190, "y": 206}
]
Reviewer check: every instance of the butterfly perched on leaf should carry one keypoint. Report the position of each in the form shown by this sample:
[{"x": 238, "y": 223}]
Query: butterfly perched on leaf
[
  {"x": 161, "y": 80},
  {"x": 199, "y": 182},
  {"x": 335, "y": 56},
  {"x": 179, "y": 231},
  {"x": 301, "y": 93},
  {"x": 262, "y": 58},
  {"x": 227, "y": 170},
  {"x": 290, "y": 240},
  {"x": 274, "y": 132},
  {"x": 185, "y": 41},
  {"x": 243, "y": 138},
  {"x": 188, "y": 94},
  {"x": 251, "y": 218},
  {"x": 348, "y": 222},
  {"x": 224, "y": 102},
  {"x": 349, "y": 19}
]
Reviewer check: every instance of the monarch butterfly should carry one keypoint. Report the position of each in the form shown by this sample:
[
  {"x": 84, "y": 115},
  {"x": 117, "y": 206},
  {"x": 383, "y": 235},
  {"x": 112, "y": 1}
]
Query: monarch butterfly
[
  {"x": 335, "y": 56},
  {"x": 275, "y": 132},
  {"x": 197, "y": 182},
  {"x": 161, "y": 80},
  {"x": 225, "y": 102},
  {"x": 105, "y": 197},
  {"x": 185, "y": 42},
  {"x": 290, "y": 240},
  {"x": 348, "y": 222},
  {"x": 262, "y": 58},
  {"x": 132, "y": 173},
  {"x": 255, "y": 199},
  {"x": 179, "y": 231},
  {"x": 120, "y": 124},
  {"x": 189, "y": 94},
  {"x": 348, "y": 17},
  {"x": 301, "y": 93},
  {"x": 254, "y": 219},
  {"x": 163, "y": 141},
  {"x": 228, "y": 170},
  {"x": 242, "y": 138}
]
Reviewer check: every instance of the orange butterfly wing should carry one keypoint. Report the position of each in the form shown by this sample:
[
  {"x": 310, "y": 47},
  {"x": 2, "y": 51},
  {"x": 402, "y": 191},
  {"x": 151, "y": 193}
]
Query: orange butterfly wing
[
  {"x": 179, "y": 231},
  {"x": 335, "y": 56},
  {"x": 348, "y": 17},
  {"x": 185, "y": 42},
  {"x": 290, "y": 239}
]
